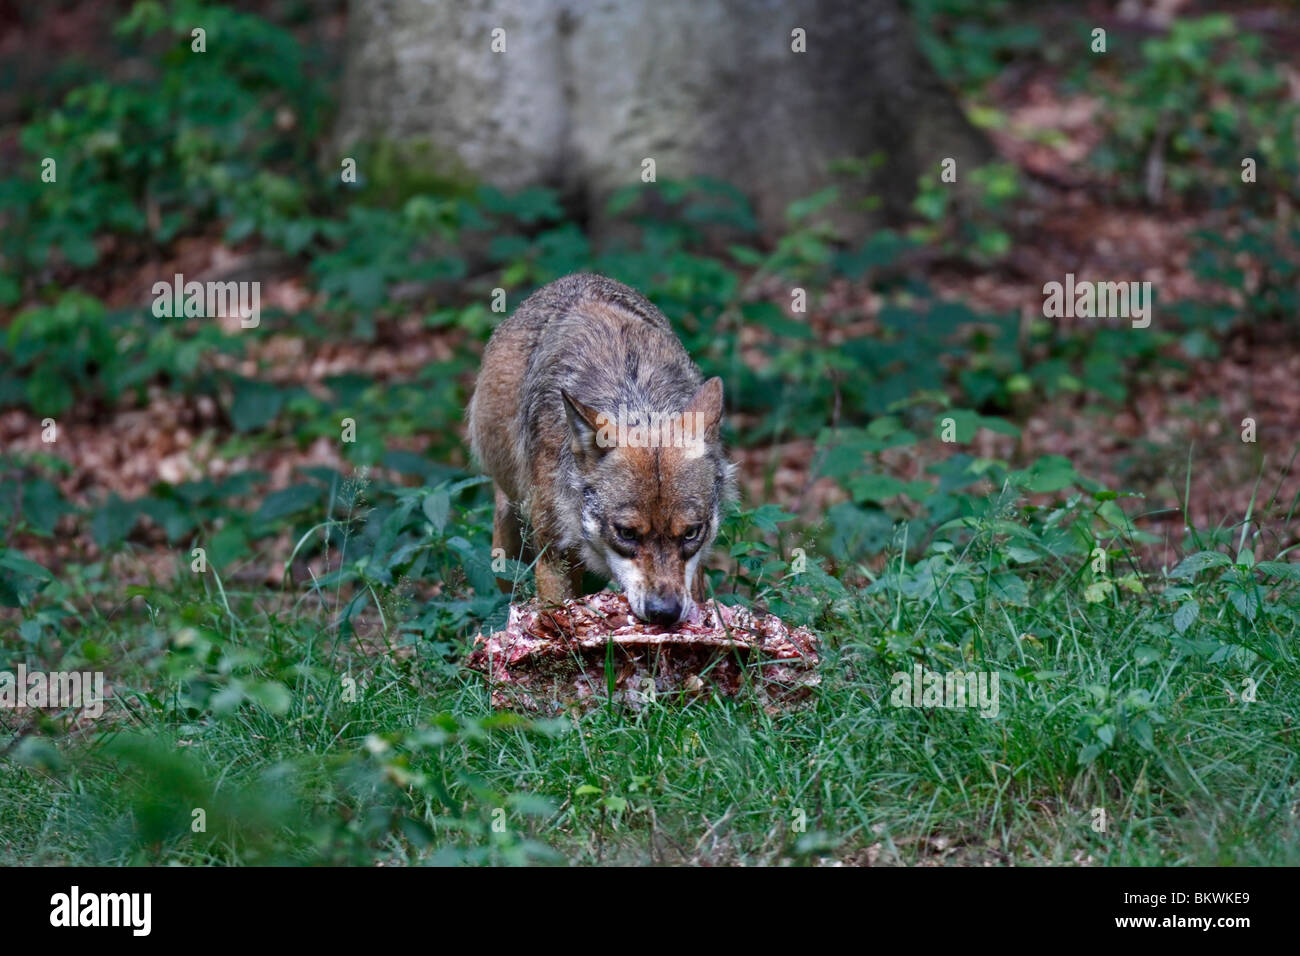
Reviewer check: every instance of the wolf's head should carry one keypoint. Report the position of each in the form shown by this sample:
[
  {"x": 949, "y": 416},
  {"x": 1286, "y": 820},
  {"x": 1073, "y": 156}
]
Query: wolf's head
[{"x": 653, "y": 485}]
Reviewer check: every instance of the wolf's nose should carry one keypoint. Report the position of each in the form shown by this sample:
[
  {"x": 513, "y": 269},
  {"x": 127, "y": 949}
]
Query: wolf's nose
[{"x": 664, "y": 611}]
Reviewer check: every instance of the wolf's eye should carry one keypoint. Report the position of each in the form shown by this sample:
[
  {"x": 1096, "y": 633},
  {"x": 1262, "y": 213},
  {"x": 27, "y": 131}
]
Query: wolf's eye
[
  {"x": 693, "y": 532},
  {"x": 626, "y": 534}
]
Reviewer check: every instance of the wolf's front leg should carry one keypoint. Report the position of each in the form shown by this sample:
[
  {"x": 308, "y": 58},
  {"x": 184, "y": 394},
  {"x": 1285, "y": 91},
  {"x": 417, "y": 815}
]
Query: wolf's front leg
[
  {"x": 507, "y": 535},
  {"x": 559, "y": 578}
]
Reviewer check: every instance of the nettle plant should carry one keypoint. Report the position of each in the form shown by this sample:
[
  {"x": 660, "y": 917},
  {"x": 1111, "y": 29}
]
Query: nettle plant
[
  {"x": 1256, "y": 263},
  {"x": 226, "y": 132},
  {"x": 75, "y": 349},
  {"x": 397, "y": 553},
  {"x": 970, "y": 42},
  {"x": 1242, "y": 609},
  {"x": 1181, "y": 120},
  {"x": 977, "y": 226},
  {"x": 975, "y": 527},
  {"x": 775, "y": 568},
  {"x": 1233, "y": 620}
]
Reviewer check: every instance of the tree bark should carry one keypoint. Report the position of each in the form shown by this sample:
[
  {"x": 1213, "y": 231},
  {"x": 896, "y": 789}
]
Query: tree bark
[{"x": 584, "y": 92}]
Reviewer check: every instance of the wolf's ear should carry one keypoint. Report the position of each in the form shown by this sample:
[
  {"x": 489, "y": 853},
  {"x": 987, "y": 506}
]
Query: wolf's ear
[
  {"x": 585, "y": 424},
  {"x": 707, "y": 403}
]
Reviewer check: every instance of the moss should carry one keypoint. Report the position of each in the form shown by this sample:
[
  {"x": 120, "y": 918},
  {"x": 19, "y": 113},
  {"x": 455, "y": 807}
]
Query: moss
[{"x": 391, "y": 171}]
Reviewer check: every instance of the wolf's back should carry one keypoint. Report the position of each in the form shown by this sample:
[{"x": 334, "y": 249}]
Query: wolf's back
[{"x": 599, "y": 340}]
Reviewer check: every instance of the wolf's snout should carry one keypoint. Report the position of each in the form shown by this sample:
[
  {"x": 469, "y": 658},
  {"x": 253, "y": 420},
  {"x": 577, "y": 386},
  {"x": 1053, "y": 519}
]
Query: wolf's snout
[{"x": 663, "y": 609}]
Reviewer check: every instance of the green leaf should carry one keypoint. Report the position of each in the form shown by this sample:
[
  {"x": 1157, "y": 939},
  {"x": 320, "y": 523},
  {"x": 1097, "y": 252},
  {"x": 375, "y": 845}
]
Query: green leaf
[
  {"x": 768, "y": 315},
  {"x": 1141, "y": 729},
  {"x": 1186, "y": 616},
  {"x": 417, "y": 832},
  {"x": 766, "y": 518},
  {"x": 802, "y": 208},
  {"x": 1132, "y": 582},
  {"x": 20, "y": 578},
  {"x": 365, "y": 286},
  {"x": 11, "y": 291},
  {"x": 1113, "y": 515},
  {"x": 1021, "y": 555},
  {"x": 255, "y": 405},
  {"x": 1280, "y": 569},
  {"x": 877, "y": 488},
  {"x": 615, "y": 804},
  {"x": 1246, "y": 601},
  {"x": 168, "y": 514},
  {"x": 1011, "y": 588},
  {"x": 999, "y": 425},
  {"x": 964, "y": 424},
  {"x": 477, "y": 566},
  {"x": 1145, "y": 654},
  {"x": 1049, "y": 473},
  {"x": 43, "y": 505},
  {"x": 1097, "y": 591},
  {"x": 49, "y": 392},
  {"x": 531, "y": 804},
  {"x": 272, "y": 695},
  {"x": 437, "y": 506},
  {"x": 80, "y": 250},
  {"x": 919, "y": 490},
  {"x": 1200, "y": 561},
  {"x": 287, "y": 501},
  {"x": 227, "y": 545},
  {"x": 113, "y": 521},
  {"x": 746, "y": 256}
]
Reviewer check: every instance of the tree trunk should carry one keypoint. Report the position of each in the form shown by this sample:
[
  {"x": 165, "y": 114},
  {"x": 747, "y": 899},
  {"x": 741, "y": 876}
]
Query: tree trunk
[{"x": 585, "y": 92}]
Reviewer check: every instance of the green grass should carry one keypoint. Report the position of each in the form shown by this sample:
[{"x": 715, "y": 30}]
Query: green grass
[{"x": 418, "y": 768}]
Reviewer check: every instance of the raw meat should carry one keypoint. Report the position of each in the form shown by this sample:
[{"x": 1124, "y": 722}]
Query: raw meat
[{"x": 590, "y": 650}]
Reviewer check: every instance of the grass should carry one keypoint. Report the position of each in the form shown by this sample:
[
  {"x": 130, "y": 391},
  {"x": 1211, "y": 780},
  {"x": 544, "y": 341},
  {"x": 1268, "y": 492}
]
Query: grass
[{"x": 418, "y": 768}]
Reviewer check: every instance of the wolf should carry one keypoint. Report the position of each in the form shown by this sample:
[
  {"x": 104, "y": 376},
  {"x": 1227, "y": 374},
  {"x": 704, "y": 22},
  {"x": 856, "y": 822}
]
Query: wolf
[{"x": 603, "y": 443}]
